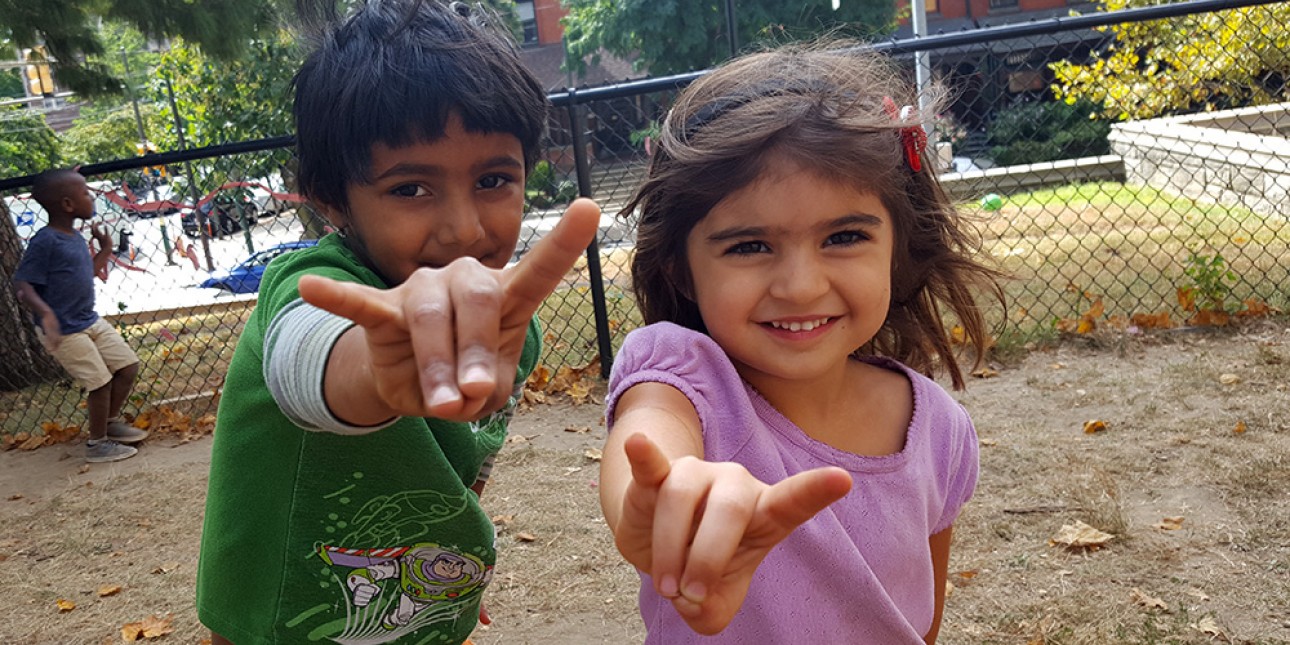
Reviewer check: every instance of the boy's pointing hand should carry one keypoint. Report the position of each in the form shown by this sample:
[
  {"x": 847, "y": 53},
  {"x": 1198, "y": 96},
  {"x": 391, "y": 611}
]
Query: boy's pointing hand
[{"x": 446, "y": 343}]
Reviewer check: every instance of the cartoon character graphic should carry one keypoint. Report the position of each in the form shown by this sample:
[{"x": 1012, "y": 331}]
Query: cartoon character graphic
[{"x": 407, "y": 587}]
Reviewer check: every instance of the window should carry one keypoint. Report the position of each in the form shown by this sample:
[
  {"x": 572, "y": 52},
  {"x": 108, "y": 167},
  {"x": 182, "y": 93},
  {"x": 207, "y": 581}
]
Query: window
[
  {"x": 1003, "y": 4},
  {"x": 528, "y": 20}
]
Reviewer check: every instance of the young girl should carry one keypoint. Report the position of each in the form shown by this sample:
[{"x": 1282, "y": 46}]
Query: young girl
[{"x": 794, "y": 256}]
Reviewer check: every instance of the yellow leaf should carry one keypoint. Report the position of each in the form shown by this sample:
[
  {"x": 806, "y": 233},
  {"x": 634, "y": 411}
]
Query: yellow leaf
[
  {"x": 1229, "y": 379},
  {"x": 525, "y": 537},
  {"x": 1170, "y": 523},
  {"x": 1208, "y": 626},
  {"x": 593, "y": 454},
  {"x": 985, "y": 372},
  {"x": 1094, "y": 425},
  {"x": 1240, "y": 428},
  {"x": 109, "y": 590},
  {"x": 157, "y": 626},
  {"x": 957, "y": 335},
  {"x": 1080, "y": 536},
  {"x": 1143, "y": 600},
  {"x": 65, "y": 605}
]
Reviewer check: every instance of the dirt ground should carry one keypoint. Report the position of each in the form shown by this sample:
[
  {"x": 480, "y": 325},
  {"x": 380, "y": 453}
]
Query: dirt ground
[{"x": 1191, "y": 475}]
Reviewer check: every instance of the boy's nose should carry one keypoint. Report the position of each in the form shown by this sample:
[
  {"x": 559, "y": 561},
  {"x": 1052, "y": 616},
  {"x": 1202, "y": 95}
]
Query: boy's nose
[{"x": 459, "y": 225}]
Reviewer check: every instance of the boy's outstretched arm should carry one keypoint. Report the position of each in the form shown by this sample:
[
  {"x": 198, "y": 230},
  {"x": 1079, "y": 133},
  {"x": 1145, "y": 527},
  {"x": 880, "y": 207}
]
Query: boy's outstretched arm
[
  {"x": 700, "y": 529},
  {"x": 446, "y": 342}
]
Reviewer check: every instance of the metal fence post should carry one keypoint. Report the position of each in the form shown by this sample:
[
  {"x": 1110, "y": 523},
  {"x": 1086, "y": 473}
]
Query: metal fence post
[{"x": 597, "y": 281}]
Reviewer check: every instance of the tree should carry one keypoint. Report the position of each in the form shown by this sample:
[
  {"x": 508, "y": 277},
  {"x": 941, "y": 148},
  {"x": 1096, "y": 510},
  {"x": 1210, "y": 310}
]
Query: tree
[
  {"x": 673, "y": 36},
  {"x": 67, "y": 31},
  {"x": 1192, "y": 63},
  {"x": 27, "y": 145}
]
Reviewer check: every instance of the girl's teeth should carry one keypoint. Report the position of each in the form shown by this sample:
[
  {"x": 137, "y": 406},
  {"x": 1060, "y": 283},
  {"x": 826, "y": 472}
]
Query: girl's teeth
[{"x": 800, "y": 326}]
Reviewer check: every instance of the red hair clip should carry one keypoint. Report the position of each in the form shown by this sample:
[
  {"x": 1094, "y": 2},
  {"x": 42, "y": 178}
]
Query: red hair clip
[{"x": 912, "y": 137}]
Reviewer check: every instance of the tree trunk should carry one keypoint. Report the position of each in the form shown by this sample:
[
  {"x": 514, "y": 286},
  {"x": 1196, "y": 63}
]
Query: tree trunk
[{"x": 23, "y": 361}]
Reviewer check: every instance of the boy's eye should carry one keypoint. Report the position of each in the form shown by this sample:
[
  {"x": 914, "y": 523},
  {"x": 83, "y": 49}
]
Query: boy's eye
[
  {"x": 409, "y": 190},
  {"x": 845, "y": 238},
  {"x": 748, "y": 248},
  {"x": 493, "y": 181}
]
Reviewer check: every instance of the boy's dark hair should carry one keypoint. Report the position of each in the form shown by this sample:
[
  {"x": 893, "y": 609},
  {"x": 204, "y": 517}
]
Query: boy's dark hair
[
  {"x": 391, "y": 73},
  {"x": 823, "y": 109},
  {"x": 51, "y": 186}
]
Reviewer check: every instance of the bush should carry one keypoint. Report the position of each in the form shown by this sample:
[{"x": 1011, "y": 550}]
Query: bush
[
  {"x": 543, "y": 190},
  {"x": 1046, "y": 131}
]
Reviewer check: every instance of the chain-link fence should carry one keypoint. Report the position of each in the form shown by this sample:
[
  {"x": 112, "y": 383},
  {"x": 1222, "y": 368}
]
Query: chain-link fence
[{"x": 1148, "y": 189}]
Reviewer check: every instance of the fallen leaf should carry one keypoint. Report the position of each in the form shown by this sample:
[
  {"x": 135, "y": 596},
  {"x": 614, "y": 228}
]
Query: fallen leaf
[
  {"x": 149, "y": 628},
  {"x": 989, "y": 442},
  {"x": 1229, "y": 379},
  {"x": 85, "y": 468},
  {"x": 1240, "y": 428},
  {"x": 503, "y": 520},
  {"x": 578, "y": 429},
  {"x": 985, "y": 372},
  {"x": 15, "y": 497},
  {"x": 1170, "y": 523},
  {"x": 525, "y": 537},
  {"x": 65, "y": 605},
  {"x": 109, "y": 590},
  {"x": 967, "y": 575},
  {"x": 1094, "y": 425},
  {"x": 949, "y": 588},
  {"x": 593, "y": 454},
  {"x": 32, "y": 443},
  {"x": 517, "y": 438},
  {"x": 1208, "y": 626},
  {"x": 1143, "y": 600},
  {"x": 569, "y": 470},
  {"x": 1080, "y": 536},
  {"x": 165, "y": 568},
  {"x": 1198, "y": 594}
]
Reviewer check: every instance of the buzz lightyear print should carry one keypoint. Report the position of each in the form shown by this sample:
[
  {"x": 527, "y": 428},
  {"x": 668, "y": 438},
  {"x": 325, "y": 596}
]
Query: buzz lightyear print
[{"x": 394, "y": 591}]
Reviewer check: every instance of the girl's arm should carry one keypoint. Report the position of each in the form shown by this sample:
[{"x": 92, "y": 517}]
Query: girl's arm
[
  {"x": 700, "y": 529},
  {"x": 940, "y": 547}
]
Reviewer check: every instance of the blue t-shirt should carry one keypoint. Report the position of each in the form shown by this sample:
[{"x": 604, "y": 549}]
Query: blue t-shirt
[{"x": 59, "y": 266}]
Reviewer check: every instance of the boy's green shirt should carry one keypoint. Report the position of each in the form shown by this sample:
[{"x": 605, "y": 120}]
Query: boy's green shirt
[{"x": 313, "y": 536}]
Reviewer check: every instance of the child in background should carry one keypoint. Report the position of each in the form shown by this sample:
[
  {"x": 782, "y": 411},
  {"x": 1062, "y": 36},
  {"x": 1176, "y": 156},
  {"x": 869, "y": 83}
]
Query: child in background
[
  {"x": 55, "y": 278},
  {"x": 779, "y": 467},
  {"x": 373, "y": 383}
]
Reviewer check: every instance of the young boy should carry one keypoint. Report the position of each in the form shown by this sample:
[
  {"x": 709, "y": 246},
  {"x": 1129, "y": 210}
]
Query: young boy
[
  {"x": 362, "y": 408},
  {"x": 55, "y": 278}
]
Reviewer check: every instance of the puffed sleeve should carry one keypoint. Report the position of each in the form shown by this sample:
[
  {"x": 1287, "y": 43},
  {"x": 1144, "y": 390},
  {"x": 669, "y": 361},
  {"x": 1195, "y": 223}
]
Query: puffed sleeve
[{"x": 685, "y": 359}]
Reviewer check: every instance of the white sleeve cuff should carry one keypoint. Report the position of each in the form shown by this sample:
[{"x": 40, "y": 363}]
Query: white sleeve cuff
[{"x": 296, "y": 347}]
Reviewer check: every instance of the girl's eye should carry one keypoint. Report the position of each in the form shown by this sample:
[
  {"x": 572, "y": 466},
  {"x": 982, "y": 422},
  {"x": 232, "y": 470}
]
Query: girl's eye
[
  {"x": 845, "y": 238},
  {"x": 747, "y": 248},
  {"x": 409, "y": 190},
  {"x": 493, "y": 181}
]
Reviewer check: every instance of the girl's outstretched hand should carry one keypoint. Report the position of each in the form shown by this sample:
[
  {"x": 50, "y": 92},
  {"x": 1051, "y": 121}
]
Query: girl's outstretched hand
[
  {"x": 700, "y": 529},
  {"x": 446, "y": 343}
]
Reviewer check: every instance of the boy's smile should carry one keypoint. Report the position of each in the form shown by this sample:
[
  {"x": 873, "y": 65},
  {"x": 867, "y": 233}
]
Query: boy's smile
[
  {"x": 792, "y": 274},
  {"x": 428, "y": 204}
]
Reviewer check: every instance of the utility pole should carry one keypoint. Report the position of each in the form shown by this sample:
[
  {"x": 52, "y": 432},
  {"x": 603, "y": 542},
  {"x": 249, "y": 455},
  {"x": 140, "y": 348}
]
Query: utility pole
[{"x": 732, "y": 32}]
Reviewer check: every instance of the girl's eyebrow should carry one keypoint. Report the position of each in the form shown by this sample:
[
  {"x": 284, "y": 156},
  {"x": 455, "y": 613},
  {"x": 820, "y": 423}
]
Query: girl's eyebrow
[
  {"x": 863, "y": 220},
  {"x": 434, "y": 170}
]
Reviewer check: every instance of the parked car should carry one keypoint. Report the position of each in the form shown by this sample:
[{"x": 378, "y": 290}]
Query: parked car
[
  {"x": 226, "y": 213},
  {"x": 246, "y": 276}
]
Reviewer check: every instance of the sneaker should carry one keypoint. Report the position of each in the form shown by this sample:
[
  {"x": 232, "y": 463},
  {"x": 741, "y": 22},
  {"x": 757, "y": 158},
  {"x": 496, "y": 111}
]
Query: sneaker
[
  {"x": 104, "y": 450},
  {"x": 122, "y": 432}
]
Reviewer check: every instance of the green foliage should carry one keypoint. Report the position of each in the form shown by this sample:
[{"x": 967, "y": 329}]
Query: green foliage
[
  {"x": 651, "y": 131},
  {"x": 114, "y": 134},
  {"x": 11, "y": 84},
  {"x": 543, "y": 189},
  {"x": 27, "y": 145},
  {"x": 67, "y": 30},
  {"x": 673, "y": 36},
  {"x": 1192, "y": 63},
  {"x": 1211, "y": 281},
  {"x": 1046, "y": 131}
]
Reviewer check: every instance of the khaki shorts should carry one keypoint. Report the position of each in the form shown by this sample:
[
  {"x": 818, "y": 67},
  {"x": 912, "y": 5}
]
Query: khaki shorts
[{"x": 91, "y": 356}]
